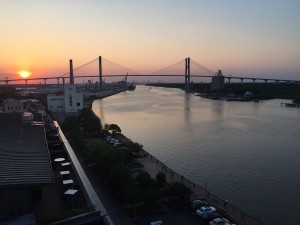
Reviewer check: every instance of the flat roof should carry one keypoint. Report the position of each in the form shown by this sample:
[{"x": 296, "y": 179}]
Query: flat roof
[{"x": 24, "y": 155}]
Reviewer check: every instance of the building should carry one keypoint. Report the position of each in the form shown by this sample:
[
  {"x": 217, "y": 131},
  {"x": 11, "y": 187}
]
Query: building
[
  {"x": 218, "y": 81},
  {"x": 56, "y": 103},
  {"x": 69, "y": 102},
  {"x": 13, "y": 105},
  {"x": 73, "y": 98},
  {"x": 25, "y": 166}
]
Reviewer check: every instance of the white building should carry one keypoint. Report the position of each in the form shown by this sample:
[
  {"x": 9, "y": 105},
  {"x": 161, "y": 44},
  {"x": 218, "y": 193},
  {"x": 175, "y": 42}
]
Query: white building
[
  {"x": 56, "y": 103},
  {"x": 13, "y": 105},
  {"x": 73, "y": 98},
  {"x": 71, "y": 101}
]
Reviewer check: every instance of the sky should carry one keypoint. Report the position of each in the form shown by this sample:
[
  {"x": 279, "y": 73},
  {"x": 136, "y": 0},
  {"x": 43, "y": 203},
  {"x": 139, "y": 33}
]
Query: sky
[{"x": 257, "y": 38}]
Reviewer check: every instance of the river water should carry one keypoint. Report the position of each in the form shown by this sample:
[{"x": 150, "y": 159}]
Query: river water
[{"x": 248, "y": 153}]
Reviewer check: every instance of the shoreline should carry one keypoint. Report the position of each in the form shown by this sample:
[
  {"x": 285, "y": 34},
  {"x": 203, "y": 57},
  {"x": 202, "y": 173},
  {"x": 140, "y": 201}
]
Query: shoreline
[{"x": 153, "y": 166}]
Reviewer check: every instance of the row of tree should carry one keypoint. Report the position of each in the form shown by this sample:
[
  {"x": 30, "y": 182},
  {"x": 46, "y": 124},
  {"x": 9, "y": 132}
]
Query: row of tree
[
  {"x": 117, "y": 167},
  {"x": 260, "y": 90}
]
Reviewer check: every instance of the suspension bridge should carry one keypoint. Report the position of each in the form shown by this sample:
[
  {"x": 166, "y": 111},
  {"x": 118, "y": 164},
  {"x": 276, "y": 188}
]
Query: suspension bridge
[{"x": 102, "y": 68}]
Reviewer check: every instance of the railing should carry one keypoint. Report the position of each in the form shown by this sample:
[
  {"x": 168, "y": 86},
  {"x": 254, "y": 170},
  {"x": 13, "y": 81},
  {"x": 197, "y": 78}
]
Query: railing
[{"x": 231, "y": 212}]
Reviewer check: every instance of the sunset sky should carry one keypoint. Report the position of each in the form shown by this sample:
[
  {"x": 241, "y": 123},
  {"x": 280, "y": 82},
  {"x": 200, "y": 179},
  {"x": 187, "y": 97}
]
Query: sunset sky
[{"x": 259, "y": 38}]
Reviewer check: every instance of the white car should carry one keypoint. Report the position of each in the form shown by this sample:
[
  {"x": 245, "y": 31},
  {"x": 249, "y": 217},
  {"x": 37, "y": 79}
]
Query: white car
[
  {"x": 204, "y": 210},
  {"x": 158, "y": 222},
  {"x": 219, "y": 221}
]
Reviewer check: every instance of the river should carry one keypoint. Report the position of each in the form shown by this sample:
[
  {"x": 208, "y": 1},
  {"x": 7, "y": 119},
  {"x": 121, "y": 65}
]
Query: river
[{"x": 247, "y": 152}]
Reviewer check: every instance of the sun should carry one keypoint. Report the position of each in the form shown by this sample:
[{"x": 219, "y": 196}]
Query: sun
[{"x": 24, "y": 74}]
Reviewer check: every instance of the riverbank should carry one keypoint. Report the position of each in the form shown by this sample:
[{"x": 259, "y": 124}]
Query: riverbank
[
  {"x": 245, "y": 152},
  {"x": 261, "y": 91},
  {"x": 91, "y": 96},
  {"x": 154, "y": 166}
]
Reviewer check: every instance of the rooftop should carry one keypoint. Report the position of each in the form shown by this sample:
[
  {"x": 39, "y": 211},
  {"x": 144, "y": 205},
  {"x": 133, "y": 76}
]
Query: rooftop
[{"x": 24, "y": 156}]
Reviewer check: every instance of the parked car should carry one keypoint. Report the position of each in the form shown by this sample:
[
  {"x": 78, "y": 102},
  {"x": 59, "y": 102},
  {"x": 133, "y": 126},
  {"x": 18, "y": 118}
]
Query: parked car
[
  {"x": 210, "y": 216},
  {"x": 204, "y": 210},
  {"x": 219, "y": 221},
  {"x": 197, "y": 204},
  {"x": 158, "y": 222}
]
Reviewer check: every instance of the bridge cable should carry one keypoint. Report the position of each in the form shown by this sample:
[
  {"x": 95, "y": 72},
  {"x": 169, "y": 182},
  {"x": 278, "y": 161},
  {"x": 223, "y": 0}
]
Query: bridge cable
[
  {"x": 168, "y": 67},
  {"x": 203, "y": 67},
  {"x": 79, "y": 67},
  {"x": 123, "y": 67}
]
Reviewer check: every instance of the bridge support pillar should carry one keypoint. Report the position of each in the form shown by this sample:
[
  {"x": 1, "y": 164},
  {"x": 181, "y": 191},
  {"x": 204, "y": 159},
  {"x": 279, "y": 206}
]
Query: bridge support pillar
[
  {"x": 187, "y": 75},
  {"x": 57, "y": 82},
  {"x": 100, "y": 72},
  {"x": 254, "y": 81},
  {"x": 45, "y": 81},
  {"x": 242, "y": 80},
  {"x": 71, "y": 72},
  {"x": 229, "y": 80},
  {"x": 63, "y": 83}
]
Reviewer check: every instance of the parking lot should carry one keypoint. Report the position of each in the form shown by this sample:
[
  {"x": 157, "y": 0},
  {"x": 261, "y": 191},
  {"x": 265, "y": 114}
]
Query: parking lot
[{"x": 175, "y": 217}]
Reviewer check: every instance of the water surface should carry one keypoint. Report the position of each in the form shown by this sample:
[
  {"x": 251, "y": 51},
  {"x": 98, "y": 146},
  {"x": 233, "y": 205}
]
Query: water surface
[{"x": 246, "y": 152}]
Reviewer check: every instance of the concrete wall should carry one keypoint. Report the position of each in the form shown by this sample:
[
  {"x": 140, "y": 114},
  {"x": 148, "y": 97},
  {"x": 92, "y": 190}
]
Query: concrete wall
[
  {"x": 73, "y": 98},
  {"x": 56, "y": 103}
]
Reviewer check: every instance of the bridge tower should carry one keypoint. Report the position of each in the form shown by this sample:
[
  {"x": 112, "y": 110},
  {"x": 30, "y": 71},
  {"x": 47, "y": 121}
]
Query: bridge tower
[
  {"x": 100, "y": 72},
  {"x": 187, "y": 72},
  {"x": 71, "y": 72}
]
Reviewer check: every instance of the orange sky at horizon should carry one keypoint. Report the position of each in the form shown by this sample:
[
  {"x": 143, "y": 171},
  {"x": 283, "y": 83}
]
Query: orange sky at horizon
[{"x": 243, "y": 39}]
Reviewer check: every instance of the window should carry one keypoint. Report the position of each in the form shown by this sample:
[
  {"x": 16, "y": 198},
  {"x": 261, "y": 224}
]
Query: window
[
  {"x": 70, "y": 100},
  {"x": 78, "y": 104}
]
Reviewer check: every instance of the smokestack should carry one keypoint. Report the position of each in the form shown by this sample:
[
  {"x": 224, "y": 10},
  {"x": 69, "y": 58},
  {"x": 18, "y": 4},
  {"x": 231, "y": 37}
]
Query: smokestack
[{"x": 71, "y": 72}]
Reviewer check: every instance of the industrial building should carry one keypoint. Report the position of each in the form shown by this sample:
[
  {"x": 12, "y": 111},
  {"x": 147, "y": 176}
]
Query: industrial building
[
  {"x": 218, "y": 81},
  {"x": 25, "y": 166},
  {"x": 71, "y": 101}
]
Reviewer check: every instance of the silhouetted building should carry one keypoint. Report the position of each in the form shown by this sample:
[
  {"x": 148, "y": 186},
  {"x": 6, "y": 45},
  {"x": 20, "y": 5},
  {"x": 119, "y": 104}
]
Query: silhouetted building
[
  {"x": 13, "y": 105},
  {"x": 218, "y": 81},
  {"x": 25, "y": 166}
]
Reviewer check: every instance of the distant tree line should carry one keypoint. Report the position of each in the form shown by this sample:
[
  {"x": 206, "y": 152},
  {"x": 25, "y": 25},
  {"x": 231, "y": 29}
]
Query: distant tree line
[
  {"x": 8, "y": 92},
  {"x": 260, "y": 90}
]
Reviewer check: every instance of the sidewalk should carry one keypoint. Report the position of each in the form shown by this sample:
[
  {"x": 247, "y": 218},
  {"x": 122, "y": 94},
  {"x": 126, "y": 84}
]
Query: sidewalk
[{"x": 154, "y": 166}]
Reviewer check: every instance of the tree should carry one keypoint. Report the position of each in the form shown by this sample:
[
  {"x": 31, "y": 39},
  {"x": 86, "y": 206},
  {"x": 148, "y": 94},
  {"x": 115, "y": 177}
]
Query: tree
[
  {"x": 89, "y": 122},
  {"x": 70, "y": 126},
  {"x": 114, "y": 128},
  {"x": 8, "y": 92},
  {"x": 144, "y": 179},
  {"x": 106, "y": 128},
  {"x": 136, "y": 147},
  {"x": 181, "y": 191},
  {"x": 110, "y": 157},
  {"x": 161, "y": 179},
  {"x": 94, "y": 149},
  {"x": 120, "y": 181}
]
